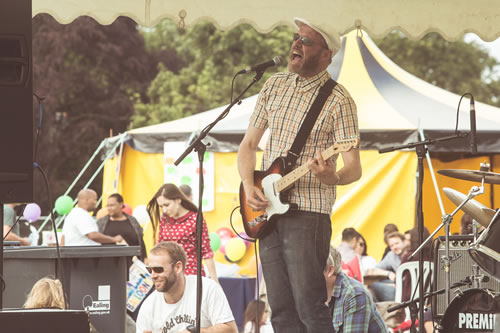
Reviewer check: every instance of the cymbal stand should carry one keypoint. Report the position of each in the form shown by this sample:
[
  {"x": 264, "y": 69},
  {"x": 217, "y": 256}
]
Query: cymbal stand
[{"x": 446, "y": 220}]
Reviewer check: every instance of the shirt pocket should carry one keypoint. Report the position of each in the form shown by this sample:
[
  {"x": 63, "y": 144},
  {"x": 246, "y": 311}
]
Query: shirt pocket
[{"x": 338, "y": 326}]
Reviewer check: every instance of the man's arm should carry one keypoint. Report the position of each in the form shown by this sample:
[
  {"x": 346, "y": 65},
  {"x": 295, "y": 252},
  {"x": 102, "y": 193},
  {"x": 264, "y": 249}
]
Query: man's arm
[
  {"x": 325, "y": 171},
  {"x": 229, "y": 327},
  {"x": 246, "y": 166},
  {"x": 13, "y": 237},
  {"x": 104, "y": 239},
  {"x": 356, "y": 314},
  {"x": 210, "y": 262}
]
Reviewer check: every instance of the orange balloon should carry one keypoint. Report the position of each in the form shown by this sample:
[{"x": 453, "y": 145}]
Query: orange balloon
[{"x": 101, "y": 213}]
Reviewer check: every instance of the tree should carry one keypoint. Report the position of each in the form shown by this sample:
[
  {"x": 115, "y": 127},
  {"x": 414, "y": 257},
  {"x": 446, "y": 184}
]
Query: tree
[
  {"x": 87, "y": 73},
  {"x": 455, "y": 66},
  {"x": 211, "y": 57}
]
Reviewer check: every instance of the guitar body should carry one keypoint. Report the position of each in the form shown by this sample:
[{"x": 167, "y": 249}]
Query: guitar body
[{"x": 259, "y": 223}]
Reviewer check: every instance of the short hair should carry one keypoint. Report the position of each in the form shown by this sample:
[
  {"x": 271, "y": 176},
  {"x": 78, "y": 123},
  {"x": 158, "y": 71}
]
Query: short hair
[
  {"x": 117, "y": 196},
  {"x": 174, "y": 250},
  {"x": 335, "y": 260},
  {"x": 46, "y": 293},
  {"x": 349, "y": 234},
  {"x": 394, "y": 235},
  {"x": 390, "y": 227},
  {"x": 186, "y": 189}
]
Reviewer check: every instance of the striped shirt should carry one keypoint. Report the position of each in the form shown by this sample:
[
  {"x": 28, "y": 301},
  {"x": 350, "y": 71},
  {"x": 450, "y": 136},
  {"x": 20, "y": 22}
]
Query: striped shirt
[
  {"x": 282, "y": 106},
  {"x": 353, "y": 309}
]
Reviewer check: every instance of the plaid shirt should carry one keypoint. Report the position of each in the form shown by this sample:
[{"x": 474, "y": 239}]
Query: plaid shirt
[
  {"x": 353, "y": 309},
  {"x": 282, "y": 106}
]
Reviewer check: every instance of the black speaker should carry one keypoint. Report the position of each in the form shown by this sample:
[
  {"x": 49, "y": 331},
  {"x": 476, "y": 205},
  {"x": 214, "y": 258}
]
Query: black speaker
[
  {"x": 16, "y": 102},
  {"x": 461, "y": 267},
  {"x": 44, "y": 321}
]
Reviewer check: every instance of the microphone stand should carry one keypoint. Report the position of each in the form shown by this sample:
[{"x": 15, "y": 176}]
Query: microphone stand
[
  {"x": 421, "y": 149},
  {"x": 201, "y": 148}
]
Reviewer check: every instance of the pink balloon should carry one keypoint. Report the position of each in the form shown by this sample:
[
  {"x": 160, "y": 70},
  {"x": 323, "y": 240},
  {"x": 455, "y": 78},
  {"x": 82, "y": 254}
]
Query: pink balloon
[
  {"x": 223, "y": 242},
  {"x": 225, "y": 233},
  {"x": 127, "y": 209},
  {"x": 32, "y": 212},
  {"x": 243, "y": 236}
]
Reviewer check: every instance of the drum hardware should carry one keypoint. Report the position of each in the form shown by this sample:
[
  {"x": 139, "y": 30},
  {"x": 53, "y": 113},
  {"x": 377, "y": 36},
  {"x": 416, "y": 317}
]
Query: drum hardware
[
  {"x": 479, "y": 212},
  {"x": 485, "y": 251},
  {"x": 483, "y": 175}
]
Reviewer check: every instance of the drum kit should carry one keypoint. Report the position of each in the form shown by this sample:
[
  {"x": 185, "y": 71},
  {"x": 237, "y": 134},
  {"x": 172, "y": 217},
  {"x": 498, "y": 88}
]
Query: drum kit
[{"x": 475, "y": 309}]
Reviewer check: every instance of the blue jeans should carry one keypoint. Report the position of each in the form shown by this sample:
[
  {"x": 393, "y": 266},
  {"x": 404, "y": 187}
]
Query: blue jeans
[
  {"x": 384, "y": 290},
  {"x": 293, "y": 259}
]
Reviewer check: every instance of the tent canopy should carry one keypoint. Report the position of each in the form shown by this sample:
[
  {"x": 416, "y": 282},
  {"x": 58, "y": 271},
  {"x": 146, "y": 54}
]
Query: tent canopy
[
  {"x": 378, "y": 17},
  {"x": 393, "y": 106}
]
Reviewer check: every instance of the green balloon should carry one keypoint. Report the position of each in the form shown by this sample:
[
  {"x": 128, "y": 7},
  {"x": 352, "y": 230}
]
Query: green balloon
[
  {"x": 214, "y": 240},
  {"x": 64, "y": 204}
]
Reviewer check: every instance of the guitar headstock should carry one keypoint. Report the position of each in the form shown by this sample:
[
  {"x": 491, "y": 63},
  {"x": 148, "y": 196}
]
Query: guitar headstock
[{"x": 346, "y": 145}]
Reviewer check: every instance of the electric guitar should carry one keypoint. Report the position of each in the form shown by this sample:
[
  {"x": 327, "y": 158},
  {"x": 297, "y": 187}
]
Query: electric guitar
[{"x": 274, "y": 184}]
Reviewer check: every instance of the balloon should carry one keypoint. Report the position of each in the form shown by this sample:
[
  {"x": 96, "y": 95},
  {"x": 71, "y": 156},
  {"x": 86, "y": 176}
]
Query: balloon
[
  {"x": 214, "y": 241},
  {"x": 225, "y": 257},
  {"x": 32, "y": 212},
  {"x": 101, "y": 213},
  {"x": 244, "y": 238},
  {"x": 225, "y": 233},
  {"x": 235, "y": 249},
  {"x": 141, "y": 214},
  {"x": 127, "y": 209},
  {"x": 63, "y": 204}
]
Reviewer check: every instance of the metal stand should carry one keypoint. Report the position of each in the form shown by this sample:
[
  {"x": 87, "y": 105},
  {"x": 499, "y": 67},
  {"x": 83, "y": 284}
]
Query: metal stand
[{"x": 201, "y": 148}]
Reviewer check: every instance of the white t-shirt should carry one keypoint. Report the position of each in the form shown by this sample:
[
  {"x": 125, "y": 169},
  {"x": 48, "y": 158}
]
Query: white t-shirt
[
  {"x": 266, "y": 328},
  {"x": 77, "y": 225},
  {"x": 157, "y": 316}
]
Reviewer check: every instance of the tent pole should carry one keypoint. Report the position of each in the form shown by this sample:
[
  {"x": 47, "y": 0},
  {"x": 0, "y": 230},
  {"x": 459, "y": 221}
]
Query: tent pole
[
  {"x": 433, "y": 176},
  {"x": 101, "y": 146}
]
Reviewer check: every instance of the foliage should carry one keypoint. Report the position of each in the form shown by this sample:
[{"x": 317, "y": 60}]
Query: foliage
[
  {"x": 458, "y": 67},
  {"x": 211, "y": 57},
  {"x": 86, "y": 72}
]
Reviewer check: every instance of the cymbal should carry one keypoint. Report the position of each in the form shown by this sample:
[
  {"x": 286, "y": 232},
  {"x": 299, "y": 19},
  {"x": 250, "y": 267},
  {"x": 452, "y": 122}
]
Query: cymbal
[
  {"x": 472, "y": 175},
  {"x": 477, "y": 210}
]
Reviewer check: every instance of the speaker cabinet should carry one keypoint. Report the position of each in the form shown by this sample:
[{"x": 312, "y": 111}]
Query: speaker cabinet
[
  {"x": 460, "y": 268},
  {"x": 44, "y": 321},
  {"x": 16, "y": 102}
]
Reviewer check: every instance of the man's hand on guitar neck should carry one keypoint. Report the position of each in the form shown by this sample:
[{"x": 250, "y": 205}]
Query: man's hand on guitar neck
[
  {"x": 255, "y": 198},
  {"x": 323, "y": 170}
]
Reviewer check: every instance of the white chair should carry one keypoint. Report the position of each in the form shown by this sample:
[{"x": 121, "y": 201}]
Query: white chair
[{"x": 412, "y": 268}]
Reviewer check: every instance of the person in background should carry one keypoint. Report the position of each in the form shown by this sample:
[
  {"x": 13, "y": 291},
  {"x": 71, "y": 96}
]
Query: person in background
[
  {"x": 385, "y": 290},
  {"x": 388, "y": 229},
  {"x": 117, "y": 222},
  {"x": 256, "y": 318},
  {"x": 173, "y": 218},
  {"x": 187, "y": 190},
  {"x": 46, "y": 293},
  {"x": 366, "y": 261},
  {"x": 80, "y": 229},
  {"x": 407, "y": 242},
  {"x": 172, "y": 306},
  {"x": 351, "y": 304},
  {"x": 466, "y": 225},
  {"x": 9, "y": 224},
  {"x": 350, "y": 239}
]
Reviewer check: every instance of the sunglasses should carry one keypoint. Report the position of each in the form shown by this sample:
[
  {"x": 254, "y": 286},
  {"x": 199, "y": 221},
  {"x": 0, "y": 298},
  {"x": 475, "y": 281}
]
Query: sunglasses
[
  {"x": 156, "y": 269},
  {"x": 303, "y": 39}
]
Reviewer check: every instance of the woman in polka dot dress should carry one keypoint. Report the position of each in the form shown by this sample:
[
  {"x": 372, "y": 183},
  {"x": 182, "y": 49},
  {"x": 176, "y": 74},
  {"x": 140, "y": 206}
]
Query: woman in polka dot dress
[{"x": 173, "y": 218}]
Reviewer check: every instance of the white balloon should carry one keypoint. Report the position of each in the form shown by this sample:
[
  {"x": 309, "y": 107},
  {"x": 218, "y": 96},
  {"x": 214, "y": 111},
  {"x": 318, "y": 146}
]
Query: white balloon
[{"x": 141, "y": 214}]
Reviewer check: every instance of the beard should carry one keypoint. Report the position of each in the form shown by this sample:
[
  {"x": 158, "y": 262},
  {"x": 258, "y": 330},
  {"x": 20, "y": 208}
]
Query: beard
[
  {"x": 166, "y": 283},
  {"x": 308, "y": 67}
]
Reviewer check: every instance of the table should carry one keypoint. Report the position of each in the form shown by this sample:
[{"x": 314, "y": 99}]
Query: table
[{"x": 239, "y": 292}]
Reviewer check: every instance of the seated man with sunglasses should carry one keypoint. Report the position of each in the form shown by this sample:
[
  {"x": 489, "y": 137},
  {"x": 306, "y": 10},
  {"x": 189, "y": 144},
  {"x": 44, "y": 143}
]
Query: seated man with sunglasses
[{"x": 172, "y": 306}]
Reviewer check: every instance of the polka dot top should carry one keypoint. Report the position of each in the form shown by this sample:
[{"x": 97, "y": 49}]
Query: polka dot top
[{"x": 183, "y": 231}]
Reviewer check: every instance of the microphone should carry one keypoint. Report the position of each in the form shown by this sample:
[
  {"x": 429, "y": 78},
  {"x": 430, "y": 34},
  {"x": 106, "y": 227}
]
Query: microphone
[
  {"x": 473, "y": 137},
  {"x": 263, "y": 66}
]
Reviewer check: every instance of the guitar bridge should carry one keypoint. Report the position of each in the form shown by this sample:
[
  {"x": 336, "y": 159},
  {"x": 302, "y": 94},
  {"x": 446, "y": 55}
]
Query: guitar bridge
[{"x": 258, "y": 220}]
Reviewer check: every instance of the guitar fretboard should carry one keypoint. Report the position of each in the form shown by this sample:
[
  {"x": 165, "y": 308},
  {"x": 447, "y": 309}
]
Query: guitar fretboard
[{"x": 286, "y": 181}]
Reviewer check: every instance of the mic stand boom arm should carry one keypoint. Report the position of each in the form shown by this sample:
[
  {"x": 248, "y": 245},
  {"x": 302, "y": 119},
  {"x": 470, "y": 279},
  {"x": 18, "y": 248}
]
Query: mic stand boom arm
[{"x": 200, "y": 148}]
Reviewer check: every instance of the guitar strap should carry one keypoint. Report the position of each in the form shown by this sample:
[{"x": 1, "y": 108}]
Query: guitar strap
[{"x": 307, "y": 125}]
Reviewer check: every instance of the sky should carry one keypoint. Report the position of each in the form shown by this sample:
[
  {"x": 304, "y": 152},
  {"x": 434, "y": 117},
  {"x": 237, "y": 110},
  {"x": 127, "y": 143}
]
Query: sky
[{"x": 493, "y": 47}]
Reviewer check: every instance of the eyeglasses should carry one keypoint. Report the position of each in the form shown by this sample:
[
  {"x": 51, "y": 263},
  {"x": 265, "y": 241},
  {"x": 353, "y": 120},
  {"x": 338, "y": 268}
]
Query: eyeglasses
[
  {"x": 156, "y": 269},
  {"x": 303, "y": 39}
]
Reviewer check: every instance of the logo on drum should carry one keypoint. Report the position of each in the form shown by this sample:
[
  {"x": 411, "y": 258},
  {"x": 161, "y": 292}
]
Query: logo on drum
[{"x": 476, "y": 321}]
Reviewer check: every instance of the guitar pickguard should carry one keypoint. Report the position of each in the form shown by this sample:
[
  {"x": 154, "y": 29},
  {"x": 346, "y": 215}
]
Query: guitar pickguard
[{"x": 275, "y": 205}]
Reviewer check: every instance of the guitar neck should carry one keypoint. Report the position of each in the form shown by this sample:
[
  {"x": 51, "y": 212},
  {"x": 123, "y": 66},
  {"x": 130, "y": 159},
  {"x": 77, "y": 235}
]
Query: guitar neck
[{"x": 286, "y": 181}]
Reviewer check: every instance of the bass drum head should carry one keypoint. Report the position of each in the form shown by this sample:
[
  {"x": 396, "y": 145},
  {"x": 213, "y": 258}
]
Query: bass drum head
[{"x": 475, "y": 310}]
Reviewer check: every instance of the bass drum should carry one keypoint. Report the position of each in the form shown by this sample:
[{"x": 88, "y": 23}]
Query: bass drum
[
  {"x": 474, "y": 310},
  {"x": 486, "y": 250}
]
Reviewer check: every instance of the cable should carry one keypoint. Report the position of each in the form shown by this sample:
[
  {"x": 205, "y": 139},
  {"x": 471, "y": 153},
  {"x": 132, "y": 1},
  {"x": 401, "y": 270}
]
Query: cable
[
  {"x": 39, "y": 127},
  {"x": 458, "y": 109}
]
